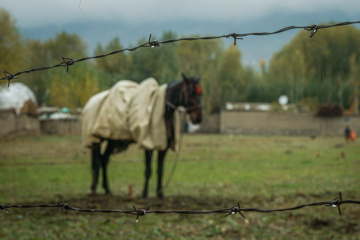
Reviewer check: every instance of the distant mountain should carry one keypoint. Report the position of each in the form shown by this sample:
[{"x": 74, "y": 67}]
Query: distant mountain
[{"x": 254, "y": 48}]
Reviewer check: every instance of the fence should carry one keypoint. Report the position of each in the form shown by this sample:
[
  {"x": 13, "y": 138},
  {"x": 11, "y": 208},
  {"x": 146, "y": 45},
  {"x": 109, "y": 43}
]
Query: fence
[
  {"x": 272, "y": 123},
  {"x": 61, "y": 126},
  {"x": 12, "y": 123},
  {"x": 336, "y": 202}
]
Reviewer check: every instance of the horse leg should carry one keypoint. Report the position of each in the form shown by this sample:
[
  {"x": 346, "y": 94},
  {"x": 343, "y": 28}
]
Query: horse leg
[
  {"x": 148, "y": 156},
  {"x": 95, "y": 157},
  {"x": 104, "y": 162},
  {"x": 161, "y": 159}
]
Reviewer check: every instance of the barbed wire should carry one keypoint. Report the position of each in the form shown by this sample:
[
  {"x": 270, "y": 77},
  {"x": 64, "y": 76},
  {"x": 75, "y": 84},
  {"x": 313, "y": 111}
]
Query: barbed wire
[
  {"x": 67, "y": 62},
  {"x": 336, "y": 202}
]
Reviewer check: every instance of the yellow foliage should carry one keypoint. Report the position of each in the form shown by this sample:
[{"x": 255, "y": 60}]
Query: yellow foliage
[
  {"x": 10, "y": 44},
  {"x": 72, "y": 90}
]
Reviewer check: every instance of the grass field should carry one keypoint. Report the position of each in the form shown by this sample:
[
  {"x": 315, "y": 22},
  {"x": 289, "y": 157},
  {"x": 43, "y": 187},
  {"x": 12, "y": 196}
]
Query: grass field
[{"x": 214, "y": 172}]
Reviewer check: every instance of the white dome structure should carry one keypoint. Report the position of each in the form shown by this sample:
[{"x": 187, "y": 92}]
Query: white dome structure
[{"x": 15, "y": 96}]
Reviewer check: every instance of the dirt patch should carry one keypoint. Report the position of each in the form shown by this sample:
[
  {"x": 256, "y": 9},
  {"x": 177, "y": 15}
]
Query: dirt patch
[{"x": 318, "y": 223}]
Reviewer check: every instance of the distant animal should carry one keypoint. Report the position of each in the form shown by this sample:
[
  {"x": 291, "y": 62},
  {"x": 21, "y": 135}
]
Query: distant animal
[{"x": 121, "y": 116}]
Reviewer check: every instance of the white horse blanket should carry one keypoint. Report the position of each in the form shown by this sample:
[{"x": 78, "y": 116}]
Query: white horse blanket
[{"x": 128, "y": 111}]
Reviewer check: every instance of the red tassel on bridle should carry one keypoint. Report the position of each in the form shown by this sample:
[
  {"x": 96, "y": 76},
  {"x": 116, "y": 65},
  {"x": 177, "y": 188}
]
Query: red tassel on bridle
[{"x": 198, "y": 90}]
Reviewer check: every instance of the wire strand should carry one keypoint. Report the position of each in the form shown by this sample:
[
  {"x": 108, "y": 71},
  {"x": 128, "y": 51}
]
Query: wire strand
[
  {"x": 67, "y": 62},
  {"x": 336, "y": 202}
]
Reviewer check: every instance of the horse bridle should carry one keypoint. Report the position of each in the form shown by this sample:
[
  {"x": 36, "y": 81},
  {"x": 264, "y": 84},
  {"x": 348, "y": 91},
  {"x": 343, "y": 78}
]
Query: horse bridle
[{"x": 187, "y": 109}]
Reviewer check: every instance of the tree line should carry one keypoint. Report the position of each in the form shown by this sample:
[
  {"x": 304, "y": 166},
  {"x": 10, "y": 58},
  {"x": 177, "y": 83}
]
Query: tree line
[{"x": 324, "y": 69}]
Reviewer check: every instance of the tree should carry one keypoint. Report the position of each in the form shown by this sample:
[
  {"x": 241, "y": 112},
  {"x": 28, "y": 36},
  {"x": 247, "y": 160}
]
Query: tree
[
  {"x": 201, "y": 58},
  {"x": 168, "y": 59},
  {"x": 354, "y": 81},
  {"x": 114, "y": 64},
  {"x": 65, "y": 45},
  {"x": 230, "y": 85},
  {"x": 48, "y": 53},
  {"x": 73, "y": 90},
  {"x": 322, "y": 62},
  {"x": 36, "y": 56},
  {"x": 11, "y": 50},
  {"x": 144, "y": 63}
]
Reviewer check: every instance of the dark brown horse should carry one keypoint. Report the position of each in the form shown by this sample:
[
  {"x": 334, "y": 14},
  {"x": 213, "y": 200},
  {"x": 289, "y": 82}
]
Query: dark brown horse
[{"x": 186, "y": 93}]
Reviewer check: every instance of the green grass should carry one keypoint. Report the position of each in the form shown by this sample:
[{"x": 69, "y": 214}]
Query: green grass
[{"x": 214, "y": 171}]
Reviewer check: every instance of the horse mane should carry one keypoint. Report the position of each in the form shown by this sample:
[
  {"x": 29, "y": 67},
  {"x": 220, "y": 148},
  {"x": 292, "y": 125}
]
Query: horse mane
[{"x": 173, "y": 84}]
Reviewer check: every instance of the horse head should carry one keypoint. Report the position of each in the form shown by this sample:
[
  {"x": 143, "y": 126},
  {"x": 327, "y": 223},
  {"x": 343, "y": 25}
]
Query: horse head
[{"x": 191, "y": 98}]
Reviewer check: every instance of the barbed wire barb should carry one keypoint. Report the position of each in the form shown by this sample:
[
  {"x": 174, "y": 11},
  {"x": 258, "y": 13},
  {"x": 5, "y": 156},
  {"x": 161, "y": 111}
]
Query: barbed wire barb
[
  {"x": 236, "y": 209},
  {"x": 63, "y": 206},
  {"x": 68, "y": 61},
  {"x": 336, "y": 202},
  {"x": 9, "y": 77},
  {"x": 140, "y": 212},
  {"x": 153, "y": 43},
  {"x": 234, "y": 36},
  {"x": 314, "y": 28},
  {"x": 5, "y": 207}
]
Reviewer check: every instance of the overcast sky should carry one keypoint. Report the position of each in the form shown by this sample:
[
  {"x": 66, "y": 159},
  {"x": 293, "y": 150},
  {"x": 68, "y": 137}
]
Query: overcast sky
[
  {"x": 30, "y": 13},
  {"x": 102, "y": 20}
]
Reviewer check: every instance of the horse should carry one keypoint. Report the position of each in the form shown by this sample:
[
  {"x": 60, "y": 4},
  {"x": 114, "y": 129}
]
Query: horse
[{"x": 186, "y": 93}]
